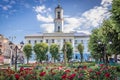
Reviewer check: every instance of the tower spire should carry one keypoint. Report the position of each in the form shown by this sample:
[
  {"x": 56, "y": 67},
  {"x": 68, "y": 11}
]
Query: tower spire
[{"x": 58, "y": 2}]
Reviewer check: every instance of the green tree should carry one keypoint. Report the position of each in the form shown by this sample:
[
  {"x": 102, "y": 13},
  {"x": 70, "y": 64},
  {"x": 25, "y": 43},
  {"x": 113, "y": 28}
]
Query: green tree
[
  {"x": 28, "y": 51},
  {"x": 68, "y": 49},
  {"x": 110, "y": 34},
  {"x": 80, "y": 48},
  {"x": 116, "y": 20},
  {"x": 54, "y": 50},
  {"x": 116, "y": 15},
  {"x": 94, "y": 48},
  {"x": 40, "y": 50}
]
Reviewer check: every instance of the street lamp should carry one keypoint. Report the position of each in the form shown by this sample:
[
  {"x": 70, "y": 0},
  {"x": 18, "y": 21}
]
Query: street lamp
[
  {"x": 103, "y": 46},
  {"x": 65, "y": 55},
  {"x": 16, "y": 48}
]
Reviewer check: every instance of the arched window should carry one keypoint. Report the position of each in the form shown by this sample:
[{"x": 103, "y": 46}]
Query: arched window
[
  {"x": 58, "y": 15},
  {"x": 58, "y": 28}
]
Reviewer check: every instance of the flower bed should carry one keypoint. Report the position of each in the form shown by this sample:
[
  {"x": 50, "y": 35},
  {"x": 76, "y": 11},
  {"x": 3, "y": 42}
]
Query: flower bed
[{"x": 60, "y": 73}]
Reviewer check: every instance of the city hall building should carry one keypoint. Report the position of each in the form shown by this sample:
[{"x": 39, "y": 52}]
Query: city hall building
[{"x": 59, "y": 37}]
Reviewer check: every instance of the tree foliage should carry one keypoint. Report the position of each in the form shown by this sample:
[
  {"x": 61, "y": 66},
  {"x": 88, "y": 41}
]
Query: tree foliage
[
  {"x": 80, "y": 49},
  {"x": 28, "y": 51},
  {"x": 108, "y": 31},
  {"x": 105, "y": 34},
  {"x": 40, "y": 50},
  {"x": 93, "y": 44},
  {"x": 69, "y": 50},
  {"x": 54, "y": 50},
  {"x": 116, "y": 15},
  {"x": 116, "y": 10}
]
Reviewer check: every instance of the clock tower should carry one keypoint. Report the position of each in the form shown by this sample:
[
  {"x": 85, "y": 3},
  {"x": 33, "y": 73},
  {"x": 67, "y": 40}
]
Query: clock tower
[{"x": 58, "y": 21}]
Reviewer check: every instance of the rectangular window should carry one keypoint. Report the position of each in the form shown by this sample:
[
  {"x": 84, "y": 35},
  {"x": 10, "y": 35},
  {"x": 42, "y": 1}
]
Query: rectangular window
[
  {"x": 82, "y": 41},
  {"x": 58, "y": 15},
  {"x": 70, "y": 40},
  {"x": 64, "y": 40},
  {"x": 52, "y": 40},
  {"x": 46, "y": 40},
  {"x": 35, "y": 42},
  {"x": 75, "y": 41},
  {"x": 58, "y": 28},
  {"x": 41, "y": 40},
  {"x": 29, "y": 41}
]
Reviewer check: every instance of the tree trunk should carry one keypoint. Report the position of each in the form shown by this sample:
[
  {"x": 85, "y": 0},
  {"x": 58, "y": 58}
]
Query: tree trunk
[
  {"x": 54, "y": 60},
  {"x": 101, "y": 59},
  {"x": 27, "y": 60},
  {"x": 81, "y": 58},
  {"x": 107, "y": 61},
  {"x": 115, "y": 57},
  {"x": 104, "y": 58}
]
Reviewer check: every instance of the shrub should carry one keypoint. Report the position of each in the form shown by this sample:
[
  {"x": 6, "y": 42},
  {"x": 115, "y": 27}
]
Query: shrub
[{"x": 56, "y": 72}]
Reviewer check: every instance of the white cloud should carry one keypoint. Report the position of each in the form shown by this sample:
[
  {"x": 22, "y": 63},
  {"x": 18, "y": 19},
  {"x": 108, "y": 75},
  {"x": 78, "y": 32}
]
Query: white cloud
[
  {"x": 106, "y": 3},
  {"x": 95, "y": 16},
  {"x": 45, "y": 19},
  {"x": 6, "y": 7},
  {"x": 42, "y": 9},
  {"x": 48, "y": 27},
  {"x": 72, "y": 23},
  {"x": 89, "y": 19},
  {"x": 43, "y": 14}
]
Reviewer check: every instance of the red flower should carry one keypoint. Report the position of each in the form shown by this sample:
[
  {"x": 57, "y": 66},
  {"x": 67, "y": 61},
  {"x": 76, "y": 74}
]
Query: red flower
[
  {"x": 21, "y": 69},
  {"x": 97, "y": 73},
  {"x": 101, "y": 65},
  {"x": 64, "y": 76},
  {"x": 107, "y": 75},
  {"x": 42, "y": 73},
  {"x": 60, "y": 68},
  {"x": 84, "y": 67},
  {"x": 80, "y": 75},
  {"x": 67, "y": 71},
  {"x": 71, "y": 76},
  {"x": 17, "y": 76}
]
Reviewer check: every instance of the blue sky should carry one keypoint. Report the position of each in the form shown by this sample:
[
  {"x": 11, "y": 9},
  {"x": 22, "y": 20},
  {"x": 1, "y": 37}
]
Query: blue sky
[{"x": 24, "y": 17}]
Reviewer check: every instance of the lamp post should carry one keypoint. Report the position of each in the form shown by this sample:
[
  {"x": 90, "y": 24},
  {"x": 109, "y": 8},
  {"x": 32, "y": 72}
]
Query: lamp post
[
  {"x": 16, "y": 51},
  {"x": 65, "y": 49},
  {"x": 11, "y": 58},
  {"x": 103, "y": 46}
]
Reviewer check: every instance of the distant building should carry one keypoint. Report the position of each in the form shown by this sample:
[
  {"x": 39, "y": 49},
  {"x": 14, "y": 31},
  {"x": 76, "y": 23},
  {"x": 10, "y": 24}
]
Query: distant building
[
  {"x": 58, "y": 36},
  {"x": 6, "y": 53},
  {"x": 4, "y": 48},
  {"x": 3, "y": 42}
]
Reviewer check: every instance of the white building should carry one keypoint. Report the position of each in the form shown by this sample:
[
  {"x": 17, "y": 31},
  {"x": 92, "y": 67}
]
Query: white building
[{"x": 58, "y": 36}]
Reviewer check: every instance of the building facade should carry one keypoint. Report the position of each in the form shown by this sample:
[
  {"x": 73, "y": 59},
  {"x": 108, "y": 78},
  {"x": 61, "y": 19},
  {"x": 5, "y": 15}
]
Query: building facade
[
  {"x": 4, "y": 43},
  {"x": 59, "y": 36}
]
